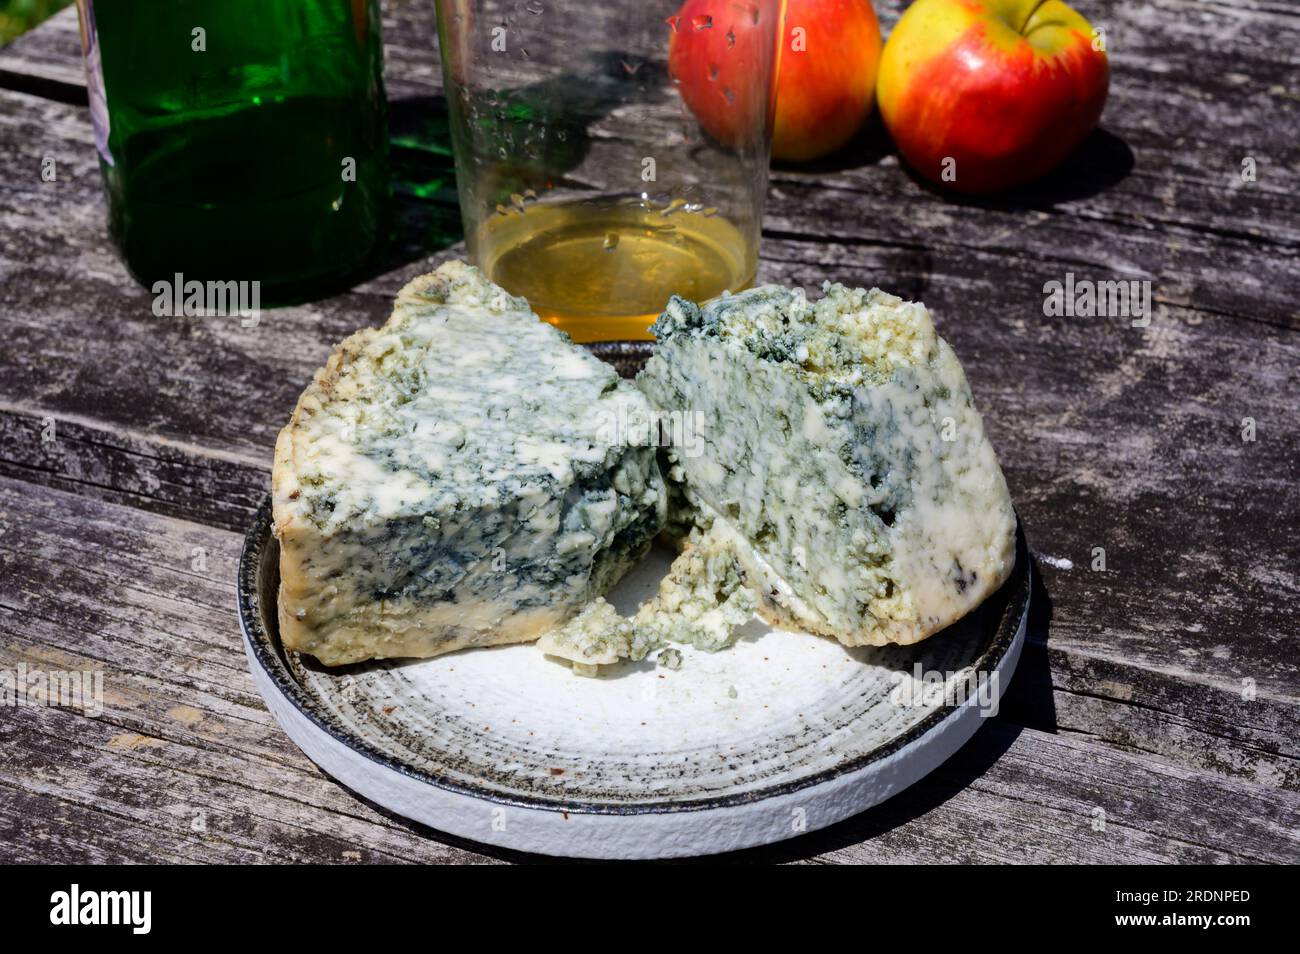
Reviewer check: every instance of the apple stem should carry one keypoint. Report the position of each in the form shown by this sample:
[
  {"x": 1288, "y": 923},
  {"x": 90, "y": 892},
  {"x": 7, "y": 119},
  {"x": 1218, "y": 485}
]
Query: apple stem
[{"x": 1030, "y": 16}]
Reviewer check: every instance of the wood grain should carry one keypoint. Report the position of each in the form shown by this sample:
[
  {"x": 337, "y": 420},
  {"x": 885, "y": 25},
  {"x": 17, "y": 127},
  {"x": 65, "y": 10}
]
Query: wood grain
[{"x": 129, "y": 440}]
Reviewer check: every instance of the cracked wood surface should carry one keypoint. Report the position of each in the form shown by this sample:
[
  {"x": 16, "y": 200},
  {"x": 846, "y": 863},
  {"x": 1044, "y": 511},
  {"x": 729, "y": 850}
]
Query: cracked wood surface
[{"x": 1164, "y": 689}]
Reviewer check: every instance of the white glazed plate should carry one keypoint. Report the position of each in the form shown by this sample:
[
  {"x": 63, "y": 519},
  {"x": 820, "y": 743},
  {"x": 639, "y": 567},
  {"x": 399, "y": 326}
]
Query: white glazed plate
[{"x": 781, "y": 734}]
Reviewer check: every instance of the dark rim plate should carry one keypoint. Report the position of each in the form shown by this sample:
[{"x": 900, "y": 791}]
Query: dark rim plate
[{"x": 258, "y": 580}]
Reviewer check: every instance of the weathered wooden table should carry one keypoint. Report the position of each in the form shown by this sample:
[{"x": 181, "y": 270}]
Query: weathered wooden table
[{"x": 1155, "y": 714}]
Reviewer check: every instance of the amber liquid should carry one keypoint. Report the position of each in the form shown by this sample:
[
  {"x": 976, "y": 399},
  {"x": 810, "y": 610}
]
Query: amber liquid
[{"x": 603, "y": 269}]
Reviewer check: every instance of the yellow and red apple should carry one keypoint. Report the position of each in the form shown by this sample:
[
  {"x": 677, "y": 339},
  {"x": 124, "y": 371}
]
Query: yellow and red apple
[
  {"x": 826, "y": 61},
  {"x": 980, "y": 95}
]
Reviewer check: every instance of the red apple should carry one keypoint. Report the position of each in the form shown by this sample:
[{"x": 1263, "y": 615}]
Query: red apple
[
  {"x": 826, "y": 79},
  {"x": 715, "y": 49},
  {"x": 980, "y": 95},
  {"x": 826, "y": 60}
]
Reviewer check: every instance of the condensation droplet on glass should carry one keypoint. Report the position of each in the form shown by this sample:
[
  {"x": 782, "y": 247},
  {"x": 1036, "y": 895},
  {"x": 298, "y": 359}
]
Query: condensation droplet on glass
[
  {"x": 611, "y": 241},
  {"x": 672, "y": 23},
  {"x": 702, "y": 22}
]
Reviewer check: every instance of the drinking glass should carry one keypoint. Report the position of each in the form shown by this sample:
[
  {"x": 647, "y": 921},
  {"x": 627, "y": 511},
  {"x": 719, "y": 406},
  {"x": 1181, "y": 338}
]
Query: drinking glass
[{"x": 609, "y": 155}]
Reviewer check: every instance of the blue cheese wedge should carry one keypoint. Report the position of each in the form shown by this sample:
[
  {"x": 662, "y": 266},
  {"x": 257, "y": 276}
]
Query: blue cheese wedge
[
  {"x": 842, "y": 458},
  {"x": 451, "y": 480}
]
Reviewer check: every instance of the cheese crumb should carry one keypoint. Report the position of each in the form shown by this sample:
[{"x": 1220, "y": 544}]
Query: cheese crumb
[{"x": 702, "y": 602}]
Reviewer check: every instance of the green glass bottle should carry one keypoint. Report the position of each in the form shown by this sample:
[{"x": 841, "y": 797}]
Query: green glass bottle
[{"x": 240, "y": 140}]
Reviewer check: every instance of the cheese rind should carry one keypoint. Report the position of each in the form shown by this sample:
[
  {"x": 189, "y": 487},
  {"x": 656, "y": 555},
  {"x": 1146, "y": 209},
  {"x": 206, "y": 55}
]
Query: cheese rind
[
  {"x": 451, "y": 479},
  {"x": 842, "y": 458}
]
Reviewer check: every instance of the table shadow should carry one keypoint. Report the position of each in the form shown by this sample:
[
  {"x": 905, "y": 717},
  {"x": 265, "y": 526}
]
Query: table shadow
[
  {"x": 869, "y": 145},
  {"x": 1100, "y": 162}
]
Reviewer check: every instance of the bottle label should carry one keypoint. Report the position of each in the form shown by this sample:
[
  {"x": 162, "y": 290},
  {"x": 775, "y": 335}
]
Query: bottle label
[{"x": 94, "y": 78}]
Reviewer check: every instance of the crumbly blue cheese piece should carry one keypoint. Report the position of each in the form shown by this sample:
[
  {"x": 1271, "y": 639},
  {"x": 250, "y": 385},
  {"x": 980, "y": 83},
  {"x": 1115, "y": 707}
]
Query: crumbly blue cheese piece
[
  {"x": 597, "y": 636},
  {"x": 451, "y": 480},
  {"x": 842, "y": 458},
  {"x": 703, "y": 601}
]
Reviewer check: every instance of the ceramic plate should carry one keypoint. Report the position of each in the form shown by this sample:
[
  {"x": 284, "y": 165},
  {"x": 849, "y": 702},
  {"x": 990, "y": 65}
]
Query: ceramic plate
[{"x": 781, "y": 734}]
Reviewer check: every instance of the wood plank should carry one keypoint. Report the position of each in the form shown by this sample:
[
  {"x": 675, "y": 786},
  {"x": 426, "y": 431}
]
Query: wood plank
[
  {"x": 37, "y": 829},
  {"x": 127, "y": 467},
  {"x": 1072, "y": 690},
  {"x": 184, "y": 763},
  {"x": 47, "y": 60}
]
